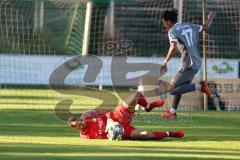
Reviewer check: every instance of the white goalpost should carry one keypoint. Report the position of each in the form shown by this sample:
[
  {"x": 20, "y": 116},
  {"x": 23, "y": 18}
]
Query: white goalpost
[{"x": 87, "y": 28}]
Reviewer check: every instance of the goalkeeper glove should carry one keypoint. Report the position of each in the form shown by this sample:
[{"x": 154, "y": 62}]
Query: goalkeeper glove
[{"x": 110, "y": 123}]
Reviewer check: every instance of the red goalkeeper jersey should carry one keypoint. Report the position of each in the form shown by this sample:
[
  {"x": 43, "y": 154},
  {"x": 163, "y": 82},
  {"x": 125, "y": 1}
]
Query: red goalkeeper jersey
[{"x": 96, "y": 124}]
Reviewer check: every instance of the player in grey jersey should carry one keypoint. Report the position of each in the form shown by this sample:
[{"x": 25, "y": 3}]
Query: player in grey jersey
[{"x": 185, "y": 37}]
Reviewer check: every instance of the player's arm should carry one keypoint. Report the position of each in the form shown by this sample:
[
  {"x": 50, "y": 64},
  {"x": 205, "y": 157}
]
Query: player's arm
[
  {"x": 173, "y": 46},
  {"x": 171, "y": 51},
  {"x": 208, "y": 22}
]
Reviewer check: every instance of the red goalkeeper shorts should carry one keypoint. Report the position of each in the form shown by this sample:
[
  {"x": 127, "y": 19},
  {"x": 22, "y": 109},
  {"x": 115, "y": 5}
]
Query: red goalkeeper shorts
[
  {"x": 123, "y": 115},
  {"x": 128, "y": 131}
]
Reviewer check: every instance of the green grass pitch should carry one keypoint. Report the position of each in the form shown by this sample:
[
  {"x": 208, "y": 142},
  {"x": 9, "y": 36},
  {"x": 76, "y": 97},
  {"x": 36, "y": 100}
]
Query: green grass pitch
[{"x": 33, "y": 132}]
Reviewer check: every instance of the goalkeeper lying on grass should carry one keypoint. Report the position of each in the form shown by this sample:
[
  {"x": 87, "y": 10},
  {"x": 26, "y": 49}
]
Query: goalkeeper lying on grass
[{"x": 94, "y": 124}]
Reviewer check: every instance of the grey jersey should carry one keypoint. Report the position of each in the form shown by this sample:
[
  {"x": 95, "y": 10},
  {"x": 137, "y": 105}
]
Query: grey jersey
[{"x": 187, "y": 37}]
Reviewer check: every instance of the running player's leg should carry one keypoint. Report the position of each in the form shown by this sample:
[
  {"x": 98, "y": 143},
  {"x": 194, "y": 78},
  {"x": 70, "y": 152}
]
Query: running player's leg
[{"x": 181, "y": 83}]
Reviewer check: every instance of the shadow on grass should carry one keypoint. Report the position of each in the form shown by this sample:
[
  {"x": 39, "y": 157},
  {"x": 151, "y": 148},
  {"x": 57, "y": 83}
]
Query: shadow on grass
[
  {"x": 100, "y": 157},
  {"x": 44, "y": 123},
  {"x": 53, "y": 151}
]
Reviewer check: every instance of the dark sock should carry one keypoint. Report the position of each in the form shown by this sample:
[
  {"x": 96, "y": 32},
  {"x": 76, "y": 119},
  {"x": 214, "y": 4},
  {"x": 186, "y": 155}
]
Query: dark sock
[
  {"x": 176, "y": 100},
  {"x": 156, "y": 103}
]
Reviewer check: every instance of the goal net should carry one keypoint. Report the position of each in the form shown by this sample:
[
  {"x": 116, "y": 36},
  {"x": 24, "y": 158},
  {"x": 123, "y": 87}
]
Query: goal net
[
  {"x": 43, "y": 41},
  {"x": 38, "y": 37},
  {"x": 35, "y": 38},
  {"x": 222, "y": 47}
]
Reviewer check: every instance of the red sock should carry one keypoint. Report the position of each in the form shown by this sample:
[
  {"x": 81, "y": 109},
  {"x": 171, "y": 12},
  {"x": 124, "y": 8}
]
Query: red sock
[
  {"x": 142, "y": 100},
  {"x": 156, "y": 103},
  {"x": 160, "y": 135}
]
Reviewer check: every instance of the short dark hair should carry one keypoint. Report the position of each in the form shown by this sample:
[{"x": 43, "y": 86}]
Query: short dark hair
[
  {"x": 73, "y": 118},
  {"x": 170, "y": 14}
]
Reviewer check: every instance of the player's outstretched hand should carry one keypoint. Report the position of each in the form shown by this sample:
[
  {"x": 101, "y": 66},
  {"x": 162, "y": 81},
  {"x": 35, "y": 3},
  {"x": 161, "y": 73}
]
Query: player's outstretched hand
[
  {"x": 210, "y": 18},
  {"x": 211, "y": 15},
  {"x": 163, "y": 69}
]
